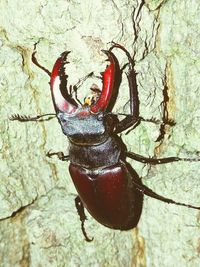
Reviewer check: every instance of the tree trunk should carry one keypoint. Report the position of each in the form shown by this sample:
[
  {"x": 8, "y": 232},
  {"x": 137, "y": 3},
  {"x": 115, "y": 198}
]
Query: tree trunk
[{"x": 39, "y": 224}]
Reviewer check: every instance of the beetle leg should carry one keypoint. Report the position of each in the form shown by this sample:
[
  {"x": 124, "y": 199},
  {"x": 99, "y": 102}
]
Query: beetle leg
[
  {"x": 59, "y": 154},
  {"x": 25, "y": 118},
  {"x": 82, "y": 216},
  {"x": 152, "y": 120},
  {"x": 133, "y": 119},
  {"x": 35, "y": 61},
  {"x": 154, "y": 161},
  {"x": 147, "y": 191},
  {"x": 157, "y": 121}
]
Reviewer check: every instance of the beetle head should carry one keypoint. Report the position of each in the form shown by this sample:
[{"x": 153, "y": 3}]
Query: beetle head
[
  {"x": 83, "y": 123},
  {"x": 84, "y": 127}
]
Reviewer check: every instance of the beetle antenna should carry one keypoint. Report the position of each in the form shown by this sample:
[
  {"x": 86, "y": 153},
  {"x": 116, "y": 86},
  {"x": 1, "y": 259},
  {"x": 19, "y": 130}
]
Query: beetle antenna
[
  {"x": 35, "y": 61},
  {"x": 25, "y": 118}
]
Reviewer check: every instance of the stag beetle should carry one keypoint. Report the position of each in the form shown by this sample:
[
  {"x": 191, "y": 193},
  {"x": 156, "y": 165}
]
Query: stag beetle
[{"x": 108, "y": 187}]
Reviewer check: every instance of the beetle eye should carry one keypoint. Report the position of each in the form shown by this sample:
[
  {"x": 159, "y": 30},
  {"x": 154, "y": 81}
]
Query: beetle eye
[
  {"x": 100, "y": 117},
  {"x": 62, "y": 117}
]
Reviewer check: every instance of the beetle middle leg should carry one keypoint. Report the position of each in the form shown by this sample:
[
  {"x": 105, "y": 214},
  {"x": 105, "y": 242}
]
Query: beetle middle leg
[
  {"x": 59, "y": 154},
  {"x": 155, "y": 161}
]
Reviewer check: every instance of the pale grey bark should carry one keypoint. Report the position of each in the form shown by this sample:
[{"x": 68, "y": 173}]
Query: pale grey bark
[{"x": 39, "y": 225}]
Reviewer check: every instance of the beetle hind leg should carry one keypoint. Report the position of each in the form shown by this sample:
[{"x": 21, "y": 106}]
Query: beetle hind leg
[
  {"x": 82, "y": 216},
  {"x": 148, "y": 192}
]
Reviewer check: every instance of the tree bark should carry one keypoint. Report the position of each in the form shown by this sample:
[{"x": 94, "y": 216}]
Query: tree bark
[{"x": 39, "y": 225}]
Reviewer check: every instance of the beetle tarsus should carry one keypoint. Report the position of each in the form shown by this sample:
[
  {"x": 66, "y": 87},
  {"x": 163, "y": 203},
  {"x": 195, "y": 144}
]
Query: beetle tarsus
[
  {"x": 82, "y": 216},
  {"x": 157, "y": 121}
]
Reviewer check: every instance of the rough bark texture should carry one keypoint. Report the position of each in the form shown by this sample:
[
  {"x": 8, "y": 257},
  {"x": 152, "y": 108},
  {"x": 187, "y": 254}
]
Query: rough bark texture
[{"x": 39, "y": 225}]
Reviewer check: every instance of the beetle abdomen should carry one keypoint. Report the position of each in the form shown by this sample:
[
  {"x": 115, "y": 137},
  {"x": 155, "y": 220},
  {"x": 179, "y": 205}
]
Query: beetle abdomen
[{"x": 109, "y": 195}]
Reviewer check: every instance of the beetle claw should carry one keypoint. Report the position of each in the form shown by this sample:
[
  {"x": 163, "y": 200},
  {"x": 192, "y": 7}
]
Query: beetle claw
[{"x": 85, "y": 234}]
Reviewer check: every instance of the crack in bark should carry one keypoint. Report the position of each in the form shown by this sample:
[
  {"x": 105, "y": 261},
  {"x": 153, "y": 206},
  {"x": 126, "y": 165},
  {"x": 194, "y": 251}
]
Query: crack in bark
[
  {"x": 119, "y": 19},
  {"x": 19, "y": 210},
  {"x": 136, "y": 19},
  {"x": 159, "y": 6},
  {"x": 166, "y": 121}
]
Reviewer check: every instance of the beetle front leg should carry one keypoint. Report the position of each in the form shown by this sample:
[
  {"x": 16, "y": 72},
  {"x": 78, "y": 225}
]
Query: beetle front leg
[
  {"x": 82, "y": 216},
  {"x": 25, "y": 118},
  {"x": 133, "y": 119},
  {"x": 155, "y": 161}
]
